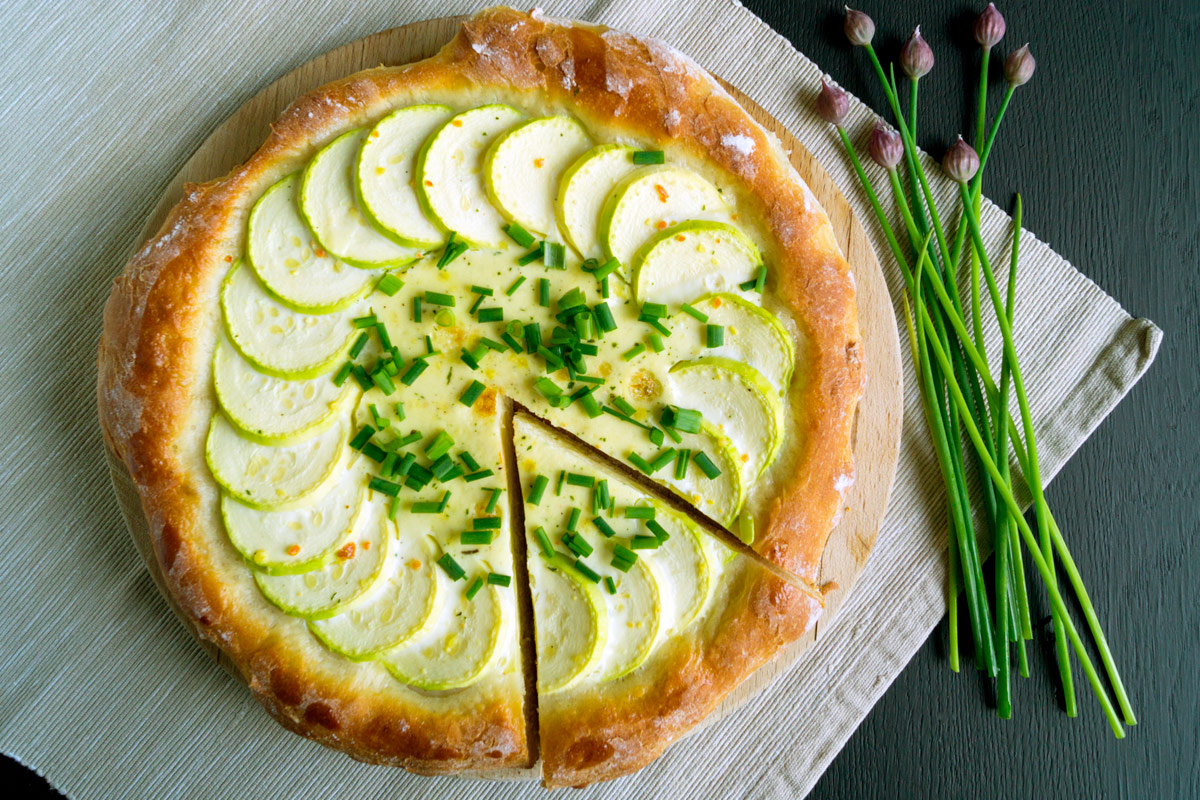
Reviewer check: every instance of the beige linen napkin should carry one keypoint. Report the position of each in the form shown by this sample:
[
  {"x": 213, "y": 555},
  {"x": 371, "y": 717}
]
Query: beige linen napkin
[{"x": 102, "y": 690}]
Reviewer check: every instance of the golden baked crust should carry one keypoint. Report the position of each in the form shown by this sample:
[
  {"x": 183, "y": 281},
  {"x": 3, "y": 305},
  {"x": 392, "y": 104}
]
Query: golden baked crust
[{"x": 155, "y": 394}]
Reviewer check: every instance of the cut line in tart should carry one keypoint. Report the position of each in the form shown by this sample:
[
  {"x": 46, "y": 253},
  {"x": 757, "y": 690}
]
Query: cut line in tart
[{"x": 311, "y": 379}]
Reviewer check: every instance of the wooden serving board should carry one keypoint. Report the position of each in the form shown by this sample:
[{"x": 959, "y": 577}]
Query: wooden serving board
[{"x": 878, "y": 423}]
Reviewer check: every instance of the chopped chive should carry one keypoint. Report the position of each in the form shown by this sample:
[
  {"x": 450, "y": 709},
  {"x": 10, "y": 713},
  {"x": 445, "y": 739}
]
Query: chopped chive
[
  {"x": 638, "y": 512},
  {"x": 606, "y": 269},
  {"x": 478, "y": 475},
  {"x": 384, "y": 487},
  {"x": 389, "y": 464},
  {"x": 609, "y": 585},
  {"x": 692, "y": 311},
  {"x": 483, "y": 290},
  {"x": 587, "y": 571},
  {"x": 653, "y": 322},
  {"x": 468, "y": 460},
  {"x": 591, "y": 380},
  {"x": 649, "y": 157},
  {"x": 361, "y": 377},
  {"x": 512, "y": 287},
  {"x": 475, "y": 305},
  {"x": 405, "y": 466},
  {"x": 554, "y": 256},
  {"x": 633, "y": 352},
  {"x": 571, "y": 299},
  {"x": 585, "y": 326},
  {"x": 590, "y": 405},
  {"x": 543, "y": 541},
  {"x": 532, "y": 256},
  {"x": 533, "y": 337},
  {"x": 706, "y": 464},
  {"x": 540, "y": 482},
  {"x": 604, "y": 317},
  {"x": 656, "y": 343},
  {"x": 573, "y": 519},
  {"x": 469, "y": 359},
  {"x": 493, "y": 500},
  {"x": 490, "y": 315},
  {"x": 604, "y": 287},
  {"x": 453, "y": 250},
  {"x": 342, "y": 374},
  {"x": 455, "y": 471},
  {"x": 760, "y": 280},
  {"x": 407, "y": 439},
  {"x": 641, "y": 463},
  {"x": 644, "y": 543},
  {"x": 439, "y": 299},
  {"x": 518, "y": 234},
  {"x": 444, "y": 501},
  {"x": 383, "y": 381},
  {"x": 486, "y": 523},
  {"x": 714, "y": 335},
  {"x": 604, "y": 527},
  {"x": 655, "y": 310},
  {"x": 399, "y": 411},
  {"x": 562, "y": 474},
  {"x": 441, "y": 467},
  {"x": 475, "y": 537},
  {"x": 389, "y": 284},
  {"x": 439, "y": 445},
  {"x": 471, "y": 394},
  {"x": 385, "y": 341},
  {"x": 496, "y": 579},
  {"x": 374, "y": 452},
  {"x": 602, "y": 490},
  {"x": 368, "y": 321},
  {"x": 625, "y": 554},
  {"x": 429, "y": 349},
  {"x": 414, "y": 371},
  {"x": 552, "y": 360},
  {"x": 658, "y": 530},
  {"x": 362, "y": 437},
  {"x": 575, "y": 479},
  {"x": 513, "y": 344},
  {"x": 624, "y": 566},
  {"x": 381, "y": 422},
  {"x": 687, "y": 420},
  {"x": 681, "y": 462},
  {"x": 656, "y": 436},
  {"x": 391, "y": 368},
  {"x": 394, "y": 509},
  {"x": 476, "y": 584},
  {"x": 665, "y": 457},
  {"x": 675, "y": 437},
  {"x": 623, "y": 404},
  {"x": 358, "y": 345},
  {"x": 417, "y": 301},
  {"x": 444, "y": 318},
  {"x": 426, "y": 507},
  {"x": 547, "y": 388},
  {"x": 447, "y": 563},
  {"x": 418, "y": 477},
  {"x": 543, "y": 292}
]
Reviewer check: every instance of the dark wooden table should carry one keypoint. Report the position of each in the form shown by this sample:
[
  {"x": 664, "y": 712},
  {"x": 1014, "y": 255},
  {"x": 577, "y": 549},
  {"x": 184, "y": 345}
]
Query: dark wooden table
[{"x": 1097, "y": 144}]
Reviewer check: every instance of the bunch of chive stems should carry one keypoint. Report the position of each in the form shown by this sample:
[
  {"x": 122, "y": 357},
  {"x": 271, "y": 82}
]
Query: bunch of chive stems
[{"x": 967, "y": 403}]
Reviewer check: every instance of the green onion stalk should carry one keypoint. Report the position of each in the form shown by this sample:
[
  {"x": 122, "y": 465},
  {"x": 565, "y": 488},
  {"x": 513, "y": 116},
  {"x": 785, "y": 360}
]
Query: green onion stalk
[{"x": 960, "y": 397}]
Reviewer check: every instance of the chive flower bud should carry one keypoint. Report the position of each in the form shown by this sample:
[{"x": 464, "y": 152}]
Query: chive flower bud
[
  {"x": 832, "y": 103},
  {"x": 860, "y": 29},
  {"x": 916, "y": 57},
  {"x": 961, "y": 162},
  {"x": 885, "y": 147},
  {"x": 989, "y": 27},
  {"x": 1019, "y": 66}
]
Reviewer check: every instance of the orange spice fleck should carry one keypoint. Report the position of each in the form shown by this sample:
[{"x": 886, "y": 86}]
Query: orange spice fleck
[
  {"x": 681, "y": 238},
  {"x": 346, "y": 552},
  {"x": 293, "y": 550},
  {"x": 745, "y": 457},
  {"x": 375, "y": 134},
  {"x": 716, "y": 302},
  {"x": 733, "y": 217},
  {"x": 539, "y": 162},
  {"x": 662, "y": 223},
  {"x": 366, "y": 545},
  {"x": 320, "y": 253},
  {"x": 662, "y": 193},
  {"x": 718, "y": 240},
  {"x": 429, "y": 183},
  {"x": 414, "y": 564},
  {"x": 229, "y": 259},
  {"x": 457, "y": 123}
]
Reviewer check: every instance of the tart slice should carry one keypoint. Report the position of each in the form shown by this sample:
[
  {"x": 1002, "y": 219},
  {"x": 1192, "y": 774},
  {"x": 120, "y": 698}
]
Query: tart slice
[{"x": 643, "y": 622}]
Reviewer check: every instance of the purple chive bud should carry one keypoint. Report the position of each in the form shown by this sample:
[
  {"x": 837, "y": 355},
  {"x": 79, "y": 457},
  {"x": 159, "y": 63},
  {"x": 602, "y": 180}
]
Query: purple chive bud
[
  {"x": 989, "y": 27},
  {"x": 832, "y": 103},
  {"x": 860, "y": 29},
  {"x": 961, "y": 162},
  {"x": 1019, "y": 66},
  {"x": 885, "y": 146},
  {"x": 916, "y": 57}
]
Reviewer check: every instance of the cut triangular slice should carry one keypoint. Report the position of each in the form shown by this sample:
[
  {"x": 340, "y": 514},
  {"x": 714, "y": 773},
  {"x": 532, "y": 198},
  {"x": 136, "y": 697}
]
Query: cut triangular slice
[{"x": 687, "y": 618}]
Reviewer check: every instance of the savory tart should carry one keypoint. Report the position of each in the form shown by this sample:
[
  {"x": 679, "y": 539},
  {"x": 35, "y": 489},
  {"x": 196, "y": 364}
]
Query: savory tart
[{"x": 311, "y": 374}]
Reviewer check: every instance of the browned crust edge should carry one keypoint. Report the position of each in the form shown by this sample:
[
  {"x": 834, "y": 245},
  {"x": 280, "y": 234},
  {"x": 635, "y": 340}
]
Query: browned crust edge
[{"x": 151, "y": 367}]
